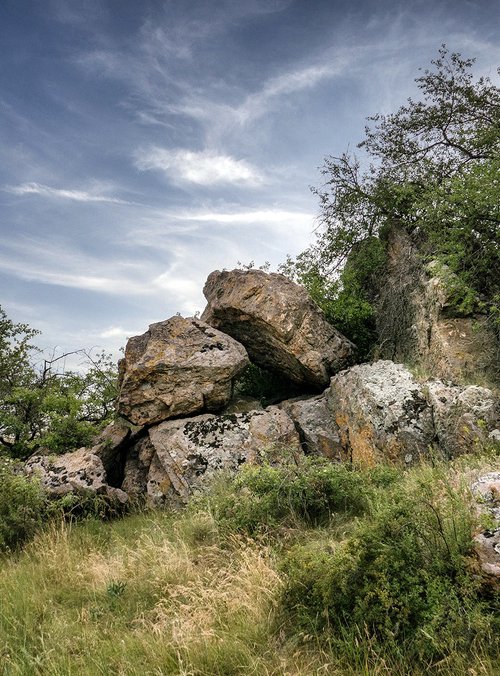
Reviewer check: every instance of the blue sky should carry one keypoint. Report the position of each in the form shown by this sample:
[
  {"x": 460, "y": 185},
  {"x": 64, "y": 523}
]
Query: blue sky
[{"x": 145, "y": 144}]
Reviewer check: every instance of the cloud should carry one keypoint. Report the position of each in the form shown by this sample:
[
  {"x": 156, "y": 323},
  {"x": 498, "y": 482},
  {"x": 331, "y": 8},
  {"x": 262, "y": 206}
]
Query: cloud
[
  {"x": 264, "y": 216},
  {"x": 48, "y": 262},
  {"x": 61, "y": 193},
  {"x": 202, "y": 168},
  {"x": 116, "y": 332}
]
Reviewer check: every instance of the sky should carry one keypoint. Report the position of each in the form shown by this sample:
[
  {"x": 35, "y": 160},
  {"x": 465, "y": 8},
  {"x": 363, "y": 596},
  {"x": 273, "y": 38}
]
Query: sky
[{"x": 145, "y": 144}]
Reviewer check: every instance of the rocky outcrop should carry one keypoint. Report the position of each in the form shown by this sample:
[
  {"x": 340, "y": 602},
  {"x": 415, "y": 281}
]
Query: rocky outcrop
[
  {"x": 316, "y": 425},
  {"x": 486, "y": 490},
  {"x": 276, "y": 320},
  {"x": 463, "y": 417},
  {"x": 78, "y": 472},
  {"x": 189, "y": 452},
  {"x": 382, "y": 414},
  {"x": 177, "y": 368},
  {"x": 418, "y": 321}
]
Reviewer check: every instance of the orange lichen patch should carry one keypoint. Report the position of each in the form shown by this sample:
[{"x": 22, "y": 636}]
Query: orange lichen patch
[
  {"x": 362, "y": 446},
  {"x": 393, "y": 450}
]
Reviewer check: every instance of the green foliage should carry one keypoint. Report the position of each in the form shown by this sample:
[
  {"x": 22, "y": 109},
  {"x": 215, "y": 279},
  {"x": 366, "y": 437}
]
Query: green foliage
[
  {"x": 22, "y": 506},
  {"x": 402, "y": 579},
  {"x": 382, "y": 587},
  {"x": 434, "y": 172},
  {"x": 306, "y": 491},
  {"x": 26, "y": 509},
  {"x": 43, "y": 406}
]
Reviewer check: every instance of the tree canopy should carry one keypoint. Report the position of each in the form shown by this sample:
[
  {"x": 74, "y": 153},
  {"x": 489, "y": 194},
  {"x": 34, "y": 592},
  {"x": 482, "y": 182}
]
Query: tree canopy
[
  {"x": 42, "y": 405},
  {"x": 432, "y": 169}
]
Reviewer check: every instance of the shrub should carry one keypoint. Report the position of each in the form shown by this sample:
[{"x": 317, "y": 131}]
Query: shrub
[
  {"x": 402, "y": 580},
  {"x": 308, "y": 491},
  {"x": 22, "y": 506}
]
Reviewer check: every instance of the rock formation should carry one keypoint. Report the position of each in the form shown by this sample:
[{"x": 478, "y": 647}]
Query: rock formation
[
  {"x": 180, "y": 371},
  {"x": 278, "y": 323},
  {"x": 486, "y": 491},
  {"x": 418, "y": 322},
  {"x": 177, "y": 368},
  {"x": 463, "y": 416},
  {"x": 189, "y": 452}
]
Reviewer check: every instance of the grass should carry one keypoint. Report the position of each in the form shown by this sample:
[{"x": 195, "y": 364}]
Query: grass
[{"x": 209, "y": 592}]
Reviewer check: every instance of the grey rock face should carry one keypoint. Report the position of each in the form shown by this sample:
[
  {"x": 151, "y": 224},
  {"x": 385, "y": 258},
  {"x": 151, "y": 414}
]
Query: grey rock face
[
  {"x": 77, "y": 472},
  {"x": 381, "y": 413},
  {"x": 177, "y": 368},
  {"x": 487, "y": 544},
  {"x": 279, "y": 324},
  {"x": 463, "y": 417},
  {"x": 188, "y": 453},
  {"x": 137, "y": 465},
  {"x": 318, "y": 430}
]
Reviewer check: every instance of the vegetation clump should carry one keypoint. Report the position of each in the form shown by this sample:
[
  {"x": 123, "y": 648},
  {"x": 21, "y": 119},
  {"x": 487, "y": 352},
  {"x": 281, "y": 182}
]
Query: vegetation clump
[{"x": 43, "y": 406}]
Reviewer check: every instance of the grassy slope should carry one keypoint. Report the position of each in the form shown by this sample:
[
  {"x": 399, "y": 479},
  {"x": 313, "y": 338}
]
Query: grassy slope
[{"x": 217, "y": 591}]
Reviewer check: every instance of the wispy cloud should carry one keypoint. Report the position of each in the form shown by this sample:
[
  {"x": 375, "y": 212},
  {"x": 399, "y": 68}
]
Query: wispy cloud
[
  {"x": 48, "y": 262},
  {"x": 61, "y": 193},
  {"x": 203, "y": 168},
  {"x": 263, "y": 216}
]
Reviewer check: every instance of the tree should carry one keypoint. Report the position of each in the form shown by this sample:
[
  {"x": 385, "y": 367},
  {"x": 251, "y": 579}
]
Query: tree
[
  {"x": 43, "y": 405},
  {"x": 433, "y": 172}
]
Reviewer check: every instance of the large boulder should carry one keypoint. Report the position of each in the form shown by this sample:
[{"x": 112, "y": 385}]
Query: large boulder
[
  {"x": 463, "y": 416},
  {"x": 177, "y": 368},
  {"x": 190, "y": 452},
  {"x": 280, "y": 325},
  {"x": 382, "y": 414},
  {"x": 79, "y": 472}
]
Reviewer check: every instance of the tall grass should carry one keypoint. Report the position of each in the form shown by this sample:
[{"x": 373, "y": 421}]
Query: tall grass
[{"x": 303, "y": 570}]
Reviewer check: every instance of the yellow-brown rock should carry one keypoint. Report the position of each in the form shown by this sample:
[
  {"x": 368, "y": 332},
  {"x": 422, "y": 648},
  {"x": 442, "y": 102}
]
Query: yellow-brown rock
[
  {"x": 177, "y": 368},
  {"x": 276, "y": 320}
]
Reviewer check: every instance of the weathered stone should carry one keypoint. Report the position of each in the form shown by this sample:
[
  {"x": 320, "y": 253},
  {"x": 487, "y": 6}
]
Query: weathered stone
[
  {"x": 418, "y": 322},
  {"x": 381, "y": 412},
  {"x": 318, "y": 430},
  {"x": 138, "y": 462},
  {"x": 189, "y": 452},
  {"x": 487, "y": 543},
  {"x": 463, "y": 417},
  {"x": 177, "y": 368},
  {"x": 78, "y": 472},
  {"x": 279, "y": 324},
  {"x": 110, "y": 446}
]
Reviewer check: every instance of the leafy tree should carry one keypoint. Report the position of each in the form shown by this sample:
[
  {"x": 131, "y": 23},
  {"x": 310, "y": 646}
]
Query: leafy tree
[
  {"x": 434, "y": 173},
  {"x": 44, "y": 406}
]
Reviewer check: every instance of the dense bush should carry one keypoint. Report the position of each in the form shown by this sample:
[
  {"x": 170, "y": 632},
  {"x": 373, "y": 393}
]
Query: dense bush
[
  {"x": 402, "y": 579},
  {"x": 306, "y": 492},
  {"x": 22, "y": 506}
]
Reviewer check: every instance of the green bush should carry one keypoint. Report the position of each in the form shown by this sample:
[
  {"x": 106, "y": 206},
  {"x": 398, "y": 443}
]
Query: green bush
[
  {"x": 307, "y": 492},
  {"x": 22, "y": 506},
  {"x": 401, "y": 580}
]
